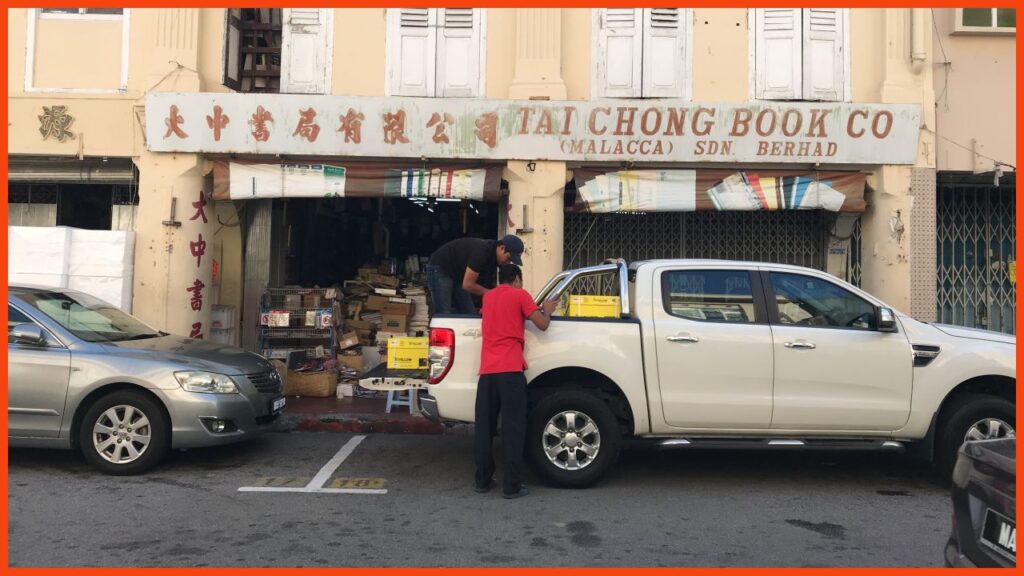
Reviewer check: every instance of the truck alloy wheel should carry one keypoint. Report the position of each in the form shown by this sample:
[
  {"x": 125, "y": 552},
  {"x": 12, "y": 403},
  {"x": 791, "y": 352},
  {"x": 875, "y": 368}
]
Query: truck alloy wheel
[
  {"x": 571, "y": 440},
  {"x": 989, "y": 429}
]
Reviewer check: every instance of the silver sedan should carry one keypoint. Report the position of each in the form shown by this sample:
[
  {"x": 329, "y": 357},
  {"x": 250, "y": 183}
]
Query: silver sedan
[{"x": 85, "y": 375}]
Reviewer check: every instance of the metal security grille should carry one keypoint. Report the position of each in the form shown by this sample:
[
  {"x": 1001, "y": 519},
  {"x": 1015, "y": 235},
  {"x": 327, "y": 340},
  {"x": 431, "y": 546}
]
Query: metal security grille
[
  {"x": 975, "y": 244},
  {"x": 787, "y": 237},
  {"x": 854, "y": 258}
]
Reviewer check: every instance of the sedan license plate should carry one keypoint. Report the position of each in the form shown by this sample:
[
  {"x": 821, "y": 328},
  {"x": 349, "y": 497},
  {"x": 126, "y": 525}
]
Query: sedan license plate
[
  {"x": 1000, "y": 532},
  {"x": 278, "y": 404}
]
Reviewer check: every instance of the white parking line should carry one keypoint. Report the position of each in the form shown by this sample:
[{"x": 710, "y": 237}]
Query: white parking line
[{"x": 316, "y": 485}]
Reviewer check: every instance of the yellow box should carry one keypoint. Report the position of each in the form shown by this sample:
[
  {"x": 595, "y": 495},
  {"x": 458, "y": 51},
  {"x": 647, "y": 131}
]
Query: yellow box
[
  {"x": 407, "y": 353},
  {"x": 581, "y": 306}
]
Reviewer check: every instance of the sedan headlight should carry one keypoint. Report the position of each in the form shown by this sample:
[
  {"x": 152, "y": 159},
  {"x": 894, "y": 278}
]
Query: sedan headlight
[{"x": 207, "y": 382}]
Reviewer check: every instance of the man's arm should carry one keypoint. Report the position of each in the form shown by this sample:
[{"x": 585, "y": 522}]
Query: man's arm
[
  {"x": 542, "y": 318},
  {"x": 470, "y": 283}
]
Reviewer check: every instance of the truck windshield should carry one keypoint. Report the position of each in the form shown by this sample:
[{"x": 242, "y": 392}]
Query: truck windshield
[{"x": 89, "y": 318}]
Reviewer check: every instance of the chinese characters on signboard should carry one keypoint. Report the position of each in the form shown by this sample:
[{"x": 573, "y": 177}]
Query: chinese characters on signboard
[
  {"x": 595, "y": 130},
  {"x": 197, "y": 248}
]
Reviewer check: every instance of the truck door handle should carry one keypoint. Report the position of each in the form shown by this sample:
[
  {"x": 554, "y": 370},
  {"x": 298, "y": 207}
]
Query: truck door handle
[
  {"x": 800, "y": 344},
  {"x": 692, "y": 339}
]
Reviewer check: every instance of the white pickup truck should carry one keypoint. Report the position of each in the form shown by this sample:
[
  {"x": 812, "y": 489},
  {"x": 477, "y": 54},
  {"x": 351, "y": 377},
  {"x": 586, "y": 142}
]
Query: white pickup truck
[{"x": 735, "y": 354}]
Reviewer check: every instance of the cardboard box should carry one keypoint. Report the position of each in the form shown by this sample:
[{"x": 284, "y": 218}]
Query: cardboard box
[
  {"x": 375, "y": 302},
  {"x": 348, "y": 340},
  {"x": 311, "y": 301},
  {"x": 398, "y": 308},
  {"x": 394, "y": 323},
  {"x": 318, "y": 384},
  {"x": 407, "y": 353},
  {"x": 593, "y": 306},
  {"x": 354, "y": 361},
  {"x": 367, "y": 273},
  {"x": 365, "y": 337},
  {"x": 383, "y": 280},
  {"x": 358, "y": 325}
]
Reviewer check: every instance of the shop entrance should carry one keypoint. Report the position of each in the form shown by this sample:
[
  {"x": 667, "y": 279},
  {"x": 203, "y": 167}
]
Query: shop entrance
[{"x": 327, "y": 240}]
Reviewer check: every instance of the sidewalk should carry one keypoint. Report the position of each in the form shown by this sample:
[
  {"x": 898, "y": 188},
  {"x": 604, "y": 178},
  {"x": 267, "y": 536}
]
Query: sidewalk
[{"x": 356, "y": 415}]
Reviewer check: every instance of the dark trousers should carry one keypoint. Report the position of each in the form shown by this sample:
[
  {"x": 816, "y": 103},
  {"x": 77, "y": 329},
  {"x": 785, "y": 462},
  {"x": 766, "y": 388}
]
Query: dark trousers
[
  {"x": 446, "y": 295},
  {"x": 504, "y": 392}
]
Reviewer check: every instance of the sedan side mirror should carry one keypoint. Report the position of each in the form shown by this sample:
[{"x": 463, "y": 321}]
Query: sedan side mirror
[
  {"x": 886, "y": 320},
  {"x": 28, "y": 334}
]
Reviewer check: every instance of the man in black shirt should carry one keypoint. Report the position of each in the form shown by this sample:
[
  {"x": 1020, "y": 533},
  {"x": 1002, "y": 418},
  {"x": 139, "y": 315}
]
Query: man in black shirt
[{"x": 466, "y": 267}]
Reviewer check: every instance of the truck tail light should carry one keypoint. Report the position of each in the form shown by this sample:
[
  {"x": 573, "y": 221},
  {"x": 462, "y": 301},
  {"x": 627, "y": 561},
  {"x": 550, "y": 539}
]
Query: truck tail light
[{"x": 441, "y": 354}]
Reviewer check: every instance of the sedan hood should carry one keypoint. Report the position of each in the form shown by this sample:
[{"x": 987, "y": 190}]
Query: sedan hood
[
  {"x": 977, "y": 334},
  {"x": 197, "y": 354}
]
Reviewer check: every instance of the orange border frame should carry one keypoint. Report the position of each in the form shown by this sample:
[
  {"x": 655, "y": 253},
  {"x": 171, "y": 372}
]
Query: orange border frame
[{"x": 4, "y": 524}]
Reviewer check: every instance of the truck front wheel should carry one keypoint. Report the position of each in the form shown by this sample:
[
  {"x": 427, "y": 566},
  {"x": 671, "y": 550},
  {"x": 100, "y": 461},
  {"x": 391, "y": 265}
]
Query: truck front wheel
[
  {"x": 572, "y": 439},
  {"x": 974, "y": 417}
]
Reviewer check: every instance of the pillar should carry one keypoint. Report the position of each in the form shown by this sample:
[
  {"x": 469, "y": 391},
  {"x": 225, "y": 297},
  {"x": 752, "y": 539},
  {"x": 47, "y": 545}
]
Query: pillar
[
  {"x": 173, "y": 245},
  {"x": 537, "y": 215}
]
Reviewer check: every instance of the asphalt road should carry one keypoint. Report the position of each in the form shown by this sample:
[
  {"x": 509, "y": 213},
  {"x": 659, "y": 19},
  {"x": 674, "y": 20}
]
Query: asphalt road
[{"x": 417, "y": 508}]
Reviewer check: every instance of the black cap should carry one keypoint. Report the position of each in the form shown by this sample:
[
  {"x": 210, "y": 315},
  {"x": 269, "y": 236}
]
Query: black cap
[{"x": 515, "y": 248}]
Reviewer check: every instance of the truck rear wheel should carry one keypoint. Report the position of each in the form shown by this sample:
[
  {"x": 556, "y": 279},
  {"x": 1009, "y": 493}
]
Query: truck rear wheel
[
  {"x": 974, "y": 417},
  {"x": 572, "y": 439}
]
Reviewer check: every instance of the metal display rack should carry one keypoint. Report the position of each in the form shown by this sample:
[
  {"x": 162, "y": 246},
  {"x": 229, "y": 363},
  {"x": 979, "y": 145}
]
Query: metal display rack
[{"x": 297, "y": 335}]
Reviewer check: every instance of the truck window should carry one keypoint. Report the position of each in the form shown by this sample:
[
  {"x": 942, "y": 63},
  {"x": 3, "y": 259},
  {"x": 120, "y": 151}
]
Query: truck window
[
  {"x": 807, "y": 301},
  {"x": 709, "y": 295}
]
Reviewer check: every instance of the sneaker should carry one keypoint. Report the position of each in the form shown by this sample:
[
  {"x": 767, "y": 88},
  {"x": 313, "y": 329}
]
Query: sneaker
[
  {"x": 523, "y": 491},
  {"x": 486, "y": 488}
]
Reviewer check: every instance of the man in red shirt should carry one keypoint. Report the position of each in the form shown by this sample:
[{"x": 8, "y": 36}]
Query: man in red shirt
[{"x": 502, "y": 385}]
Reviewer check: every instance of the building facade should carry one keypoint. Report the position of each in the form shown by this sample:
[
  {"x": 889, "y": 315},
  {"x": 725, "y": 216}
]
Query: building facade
[
  {"x": 975, "y": 86},
  {"x": 258, "y": 147}
]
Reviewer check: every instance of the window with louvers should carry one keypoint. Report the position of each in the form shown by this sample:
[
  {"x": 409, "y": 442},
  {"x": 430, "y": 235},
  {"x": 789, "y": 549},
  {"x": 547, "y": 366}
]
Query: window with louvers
[
  {"x": 435, "y": 52},
  {"x": 640, "y": 52}
]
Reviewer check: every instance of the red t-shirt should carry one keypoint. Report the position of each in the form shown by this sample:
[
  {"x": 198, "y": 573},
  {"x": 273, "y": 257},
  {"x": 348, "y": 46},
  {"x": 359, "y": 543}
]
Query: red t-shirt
[{"x": 504, "y": 315}]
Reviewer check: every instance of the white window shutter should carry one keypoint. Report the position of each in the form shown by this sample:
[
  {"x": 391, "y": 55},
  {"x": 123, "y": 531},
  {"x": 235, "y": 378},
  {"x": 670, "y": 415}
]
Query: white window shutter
[
  {"x": 664, "y": 52},
  {"x": 618, "y": 54},
  {"x": 307, "y": 44},
  {"x": 232, "y": 73},
  {"x": 458, "y": 52},
  {"x": 412, "y": 41},
  {"x": 777, "y": 54},
  {"x": 823, "y": 54}
]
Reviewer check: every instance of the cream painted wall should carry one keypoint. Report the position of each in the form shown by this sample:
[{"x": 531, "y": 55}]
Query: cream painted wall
[
  {"x": 359, "y": 52},
  {"x": 975, "y": 96},
  {"x": 500, "y": 52},
  {"x": 78, "y": 54},
  {"x": 867, "y": 54},
  {"x": 576, "y": 52},
  {"x": 211, "y": 50},
  {"x": 720, "y": 55}
]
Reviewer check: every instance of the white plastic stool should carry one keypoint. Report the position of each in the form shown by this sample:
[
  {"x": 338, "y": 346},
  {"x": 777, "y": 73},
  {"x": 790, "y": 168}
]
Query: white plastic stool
[{"x": 397, "y": 398}]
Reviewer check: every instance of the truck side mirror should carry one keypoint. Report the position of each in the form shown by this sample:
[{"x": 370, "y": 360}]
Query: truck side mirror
[
  {"x": 886, "y": 320},
  {"x": 28, "y": 334}
]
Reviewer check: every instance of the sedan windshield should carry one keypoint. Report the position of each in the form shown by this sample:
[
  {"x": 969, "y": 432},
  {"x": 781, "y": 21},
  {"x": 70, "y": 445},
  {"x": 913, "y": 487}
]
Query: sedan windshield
[{"x": 89, "y": 318}]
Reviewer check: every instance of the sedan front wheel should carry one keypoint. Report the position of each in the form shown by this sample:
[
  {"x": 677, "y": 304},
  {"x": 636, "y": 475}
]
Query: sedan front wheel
[{"x": 124, "y": 433}]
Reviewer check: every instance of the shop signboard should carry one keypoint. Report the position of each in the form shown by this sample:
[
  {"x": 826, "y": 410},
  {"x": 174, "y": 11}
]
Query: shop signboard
[{"x": 661, "y": 130}]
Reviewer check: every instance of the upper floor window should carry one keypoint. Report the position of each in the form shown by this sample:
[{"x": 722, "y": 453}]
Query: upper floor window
[
  {"x": 436, "y": 52},
  {"x": 641, "y": 53},
  {"x": 800, "y": 54},
  {"x": 986, "y": 20},
  {"x": 278, "y": 50},
  {"x": 95, "y": 13}
]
